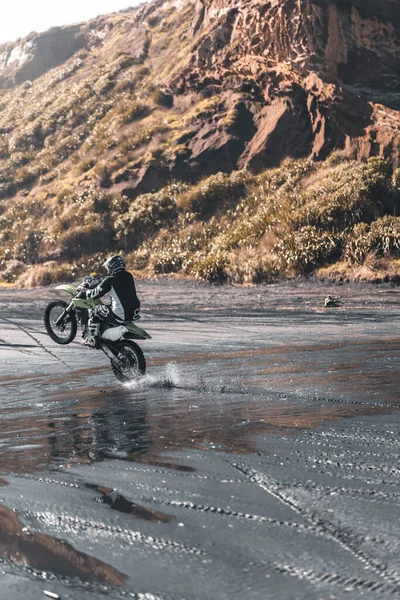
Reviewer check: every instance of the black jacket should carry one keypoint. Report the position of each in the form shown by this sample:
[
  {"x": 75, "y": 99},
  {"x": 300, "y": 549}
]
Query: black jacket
[{"x": 121, "y": 287}]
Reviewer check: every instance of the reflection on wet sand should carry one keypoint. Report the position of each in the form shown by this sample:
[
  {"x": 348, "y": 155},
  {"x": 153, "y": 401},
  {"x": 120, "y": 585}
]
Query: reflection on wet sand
[
  {"x": 384, "y": 345},
  {"x": 84, "y": 425},
  {"x": 122, "y": 425},
  {"x": 232, "y": 429},
  {"x": 43, "y": 552},
  {"x": 120, "y": 503},
  {"x": 64, "y": 434}
]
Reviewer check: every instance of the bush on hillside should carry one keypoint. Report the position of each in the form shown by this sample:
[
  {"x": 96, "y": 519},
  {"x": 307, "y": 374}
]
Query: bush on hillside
[
  {"x": 381, "y": 237},
  {"x": 214, "y": 193},
  {"x": 85, "y": 239},
  {"x": 132, "y": 111},
  {"x": 11, "y": 270},
  {"x": 175, "y": 250},
  {"x": 146, "y": 215},
  {"x": 303, "y": 250},
  {"x": 250, "y": 265},
  {"x": 210, "y": 266},
  {"x": 396, "y": 180}
]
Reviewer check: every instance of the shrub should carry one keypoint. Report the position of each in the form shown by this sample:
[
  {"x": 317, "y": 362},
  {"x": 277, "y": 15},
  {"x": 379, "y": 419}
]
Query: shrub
[
  {"x": 210, "y": 266},
  {"x": 27, "y": 249},
  {"x": 348, "y": 194},
  {"x": 250, "y": 265},
  {"x": 103, "y": 173},
  {"x": 303, "y": 250},
  {"x": 12, "y": 270},
  {"x": 163, "y": 98},
  {"x": 132, "y": 111},
  {"x": 142, "y": 72},
  {"x": 153, "y": 20},
  {"x": 124, "y": 61},
  {"x": 167, "y": 260},
  {"x": 396, "y": 179},
  {"x": 172, "y": 251},
  {"x": 146, "y": 215},
  {"x": 85, "y": 239},
  {"x": 381, "y": 237},
  {"x": 41, "y": 275},
  {"x": 125, "y": 84},
  {"x": 86, "y": 164},
  {"x": 213, "y": 193}
]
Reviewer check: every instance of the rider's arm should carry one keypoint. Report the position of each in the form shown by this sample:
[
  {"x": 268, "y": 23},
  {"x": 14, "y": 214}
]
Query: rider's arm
[{"x": 101, "y": 290}]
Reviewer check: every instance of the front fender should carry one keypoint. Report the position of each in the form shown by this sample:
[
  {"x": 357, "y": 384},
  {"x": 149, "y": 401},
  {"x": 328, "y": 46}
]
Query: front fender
[{"x": 67, "y": 288}]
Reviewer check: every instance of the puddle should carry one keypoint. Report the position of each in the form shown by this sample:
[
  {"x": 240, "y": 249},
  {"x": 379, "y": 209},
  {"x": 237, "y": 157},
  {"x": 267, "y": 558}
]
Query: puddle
[
  {"x": 359, "y": 346},
  {"x": 121, "y": 504},
  {"x": 177, "y": 408},
  {"x": 203, "y": 400},
  {"x": 43, "y": 553}
]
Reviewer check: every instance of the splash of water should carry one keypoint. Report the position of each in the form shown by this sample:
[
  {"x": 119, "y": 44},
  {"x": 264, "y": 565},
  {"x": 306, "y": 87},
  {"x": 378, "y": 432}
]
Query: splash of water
[
  {"x": 172, "y": 378},
  {"x": 168, "y": 379}
]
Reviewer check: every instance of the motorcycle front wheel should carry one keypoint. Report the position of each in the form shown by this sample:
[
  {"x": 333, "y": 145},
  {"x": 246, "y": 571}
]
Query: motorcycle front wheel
[
  {"x": 61, "y": 330},
  {"x": 130, "y": 362}
]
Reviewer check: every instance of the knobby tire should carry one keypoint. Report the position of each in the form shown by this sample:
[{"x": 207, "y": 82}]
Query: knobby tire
[
  {"x": 73, "y": 323},
  {"x": 139, "y": 364}
]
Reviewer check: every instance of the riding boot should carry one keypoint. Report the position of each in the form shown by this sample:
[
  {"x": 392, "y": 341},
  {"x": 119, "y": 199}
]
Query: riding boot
[{"x": 93, "y": 336}]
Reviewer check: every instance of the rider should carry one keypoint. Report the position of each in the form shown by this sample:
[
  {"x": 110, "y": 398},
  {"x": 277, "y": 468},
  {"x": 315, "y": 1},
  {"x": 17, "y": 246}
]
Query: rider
[{"x": 125, "y": 305}]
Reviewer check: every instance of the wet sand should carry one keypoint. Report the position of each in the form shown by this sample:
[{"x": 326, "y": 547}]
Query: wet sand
[{"x": 257, "y": 459}]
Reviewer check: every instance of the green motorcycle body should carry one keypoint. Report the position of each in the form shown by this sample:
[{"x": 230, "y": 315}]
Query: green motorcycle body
[{"x": 88, "y": 304}]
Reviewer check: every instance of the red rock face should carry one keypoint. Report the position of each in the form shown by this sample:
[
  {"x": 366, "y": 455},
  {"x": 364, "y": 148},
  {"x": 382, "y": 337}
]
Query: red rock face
[
  {"x": 291, "y": 77},
  {"x": 321, "y": 74}
]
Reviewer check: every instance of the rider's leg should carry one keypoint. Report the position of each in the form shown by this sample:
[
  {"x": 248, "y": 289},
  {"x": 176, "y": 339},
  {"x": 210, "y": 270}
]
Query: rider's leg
[
  {"x": 96, "y": 318},
  {"x": 99, "y": 317},
  {"x": 93, "y": 333}
]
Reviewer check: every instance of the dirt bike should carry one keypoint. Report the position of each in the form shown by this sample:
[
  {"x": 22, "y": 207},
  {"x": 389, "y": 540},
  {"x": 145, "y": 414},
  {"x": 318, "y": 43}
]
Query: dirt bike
[{"x": 61, "y": 322}]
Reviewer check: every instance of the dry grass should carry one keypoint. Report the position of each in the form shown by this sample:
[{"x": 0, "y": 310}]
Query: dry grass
[{"x": 301, "y": 218}]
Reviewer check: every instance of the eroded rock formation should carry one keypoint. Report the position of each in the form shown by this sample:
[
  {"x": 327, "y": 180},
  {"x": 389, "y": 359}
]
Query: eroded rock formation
[
  {"x": 322, "y": 74},
  {"x": 290, "y": 78}
]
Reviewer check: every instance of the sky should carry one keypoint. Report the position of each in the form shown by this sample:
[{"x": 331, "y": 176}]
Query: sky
[{"x": 20, "y": 17}]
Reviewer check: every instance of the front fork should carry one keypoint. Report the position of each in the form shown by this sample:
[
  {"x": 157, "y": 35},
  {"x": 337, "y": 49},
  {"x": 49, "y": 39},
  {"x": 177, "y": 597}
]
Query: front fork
[{"x": 67, "y": 311}]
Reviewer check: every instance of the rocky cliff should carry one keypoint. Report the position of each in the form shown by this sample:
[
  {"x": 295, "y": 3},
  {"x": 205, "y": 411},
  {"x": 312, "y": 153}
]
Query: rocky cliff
[
  {"x": 95, "y": 115},
  {"x": 322, "y": 74},
  {"x": 294, "y": 77}
]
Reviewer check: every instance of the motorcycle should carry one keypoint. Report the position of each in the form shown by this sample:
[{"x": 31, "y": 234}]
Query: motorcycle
[{"x": 61, "y": 323}]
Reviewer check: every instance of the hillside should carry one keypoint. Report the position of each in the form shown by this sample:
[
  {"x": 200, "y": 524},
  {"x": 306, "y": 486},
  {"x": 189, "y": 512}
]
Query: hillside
[{"x": 196, "y": 137}]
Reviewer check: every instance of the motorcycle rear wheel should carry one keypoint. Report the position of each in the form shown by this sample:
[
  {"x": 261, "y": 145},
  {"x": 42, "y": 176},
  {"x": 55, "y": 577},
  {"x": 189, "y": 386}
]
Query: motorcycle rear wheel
[
  {"x": 131, "y": 362},
  {"x": 65, "y": 333}
]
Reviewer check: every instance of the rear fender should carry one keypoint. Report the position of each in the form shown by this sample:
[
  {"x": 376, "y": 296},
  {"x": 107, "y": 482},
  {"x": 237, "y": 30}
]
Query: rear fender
[
  {"x": 133, "y": 336},
  {"x": 135, "y": 332}
]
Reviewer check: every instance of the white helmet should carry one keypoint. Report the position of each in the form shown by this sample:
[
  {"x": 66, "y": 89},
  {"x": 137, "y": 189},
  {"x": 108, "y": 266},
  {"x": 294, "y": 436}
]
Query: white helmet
[{"x": 114, "y": 265}]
